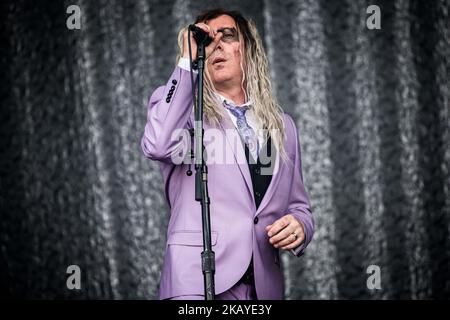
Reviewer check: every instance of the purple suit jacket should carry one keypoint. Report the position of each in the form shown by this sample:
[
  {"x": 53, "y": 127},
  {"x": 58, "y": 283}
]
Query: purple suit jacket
[{"x": 238, "y": 228}]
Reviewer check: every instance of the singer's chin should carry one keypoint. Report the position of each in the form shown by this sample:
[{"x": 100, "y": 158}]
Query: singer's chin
[
  {"x": 219, "y": 65},
  {"x": 220, "y": 76}
]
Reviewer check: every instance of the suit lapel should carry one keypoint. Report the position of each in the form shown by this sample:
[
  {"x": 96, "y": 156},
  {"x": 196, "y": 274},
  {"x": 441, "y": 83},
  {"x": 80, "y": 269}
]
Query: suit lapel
[
  {"x": 275, "y": 174},
  {"x": 273, "y": 183},
  {"x": 235, "y": 144}
]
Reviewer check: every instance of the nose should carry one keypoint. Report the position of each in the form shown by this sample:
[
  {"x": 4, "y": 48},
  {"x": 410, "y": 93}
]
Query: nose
[{"x": 219, "y": 45}]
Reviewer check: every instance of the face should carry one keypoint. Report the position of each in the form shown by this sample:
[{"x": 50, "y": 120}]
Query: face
[{"x": 224, "y": 64}]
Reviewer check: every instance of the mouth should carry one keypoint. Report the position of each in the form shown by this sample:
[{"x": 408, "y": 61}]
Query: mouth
[{"x": 218, "y": 60}]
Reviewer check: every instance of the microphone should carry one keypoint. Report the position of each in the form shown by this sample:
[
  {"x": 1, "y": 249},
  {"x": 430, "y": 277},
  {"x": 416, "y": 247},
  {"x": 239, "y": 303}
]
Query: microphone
[{"x": 200, "y": 35}]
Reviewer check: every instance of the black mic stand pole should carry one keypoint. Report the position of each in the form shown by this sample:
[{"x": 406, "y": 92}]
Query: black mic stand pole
[{"x": 201, "y": 175}]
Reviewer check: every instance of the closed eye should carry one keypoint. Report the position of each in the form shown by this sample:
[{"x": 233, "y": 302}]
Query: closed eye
[{"x": 229, "y": 34}]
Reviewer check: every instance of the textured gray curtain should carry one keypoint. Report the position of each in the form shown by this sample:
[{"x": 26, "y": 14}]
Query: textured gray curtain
[{"x": 371, "y": 106}]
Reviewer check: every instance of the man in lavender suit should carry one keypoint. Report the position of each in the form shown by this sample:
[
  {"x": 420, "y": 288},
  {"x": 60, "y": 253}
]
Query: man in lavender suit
[{"x": 258, "y": 200}]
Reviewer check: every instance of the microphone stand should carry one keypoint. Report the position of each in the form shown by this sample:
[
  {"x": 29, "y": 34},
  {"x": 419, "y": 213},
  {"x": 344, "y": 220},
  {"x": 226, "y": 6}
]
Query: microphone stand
[{"x": 201, "y": 174}]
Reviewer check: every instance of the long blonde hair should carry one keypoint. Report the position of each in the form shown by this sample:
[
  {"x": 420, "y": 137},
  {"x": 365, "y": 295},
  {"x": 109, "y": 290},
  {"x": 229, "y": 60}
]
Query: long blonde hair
[{"x": 255, "y": 81}]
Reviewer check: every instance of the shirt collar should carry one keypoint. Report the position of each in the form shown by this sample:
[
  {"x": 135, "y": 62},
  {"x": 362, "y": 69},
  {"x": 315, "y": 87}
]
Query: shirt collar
[{"x": 231, "y": 102}]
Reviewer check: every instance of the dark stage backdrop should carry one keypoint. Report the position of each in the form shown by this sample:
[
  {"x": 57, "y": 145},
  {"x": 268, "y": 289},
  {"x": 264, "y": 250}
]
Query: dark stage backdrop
[{"x": 371, "y": 106}]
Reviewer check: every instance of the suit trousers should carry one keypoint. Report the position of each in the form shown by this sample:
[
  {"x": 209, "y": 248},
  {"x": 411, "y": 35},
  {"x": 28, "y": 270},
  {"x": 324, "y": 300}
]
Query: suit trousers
[{"x": 244, "y": 289}]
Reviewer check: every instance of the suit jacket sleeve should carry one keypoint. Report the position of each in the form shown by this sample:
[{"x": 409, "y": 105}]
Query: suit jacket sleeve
[
  {"x": 299, "y": 204},
  {"x": 169, "y": 109}
]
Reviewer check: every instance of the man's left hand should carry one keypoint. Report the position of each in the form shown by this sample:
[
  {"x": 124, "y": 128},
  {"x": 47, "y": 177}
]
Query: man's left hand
[{"x": 286, "y": 233}]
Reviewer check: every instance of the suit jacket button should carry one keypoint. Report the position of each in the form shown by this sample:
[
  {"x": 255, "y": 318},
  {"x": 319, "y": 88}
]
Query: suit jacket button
[
  {"x": 255, "y": 221},
  {"x": 174, "y": 81},
  {"x": 167, "y": 100},
  {"x": 172, "y": 88}
]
